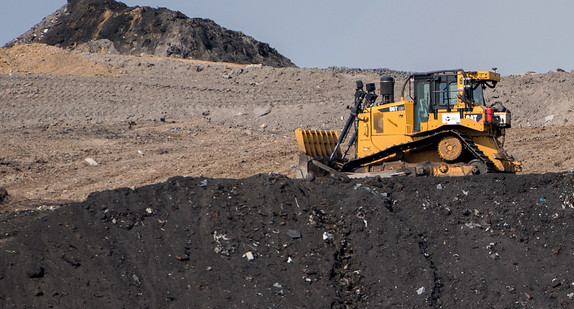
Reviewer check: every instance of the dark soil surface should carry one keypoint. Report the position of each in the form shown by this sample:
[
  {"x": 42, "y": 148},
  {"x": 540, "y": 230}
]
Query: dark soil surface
[{"x": 493, "y": 241}]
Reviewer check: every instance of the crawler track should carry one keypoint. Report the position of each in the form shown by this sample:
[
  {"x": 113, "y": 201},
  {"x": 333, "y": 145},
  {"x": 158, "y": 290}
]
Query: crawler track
[{"x": 431, "y": 139}]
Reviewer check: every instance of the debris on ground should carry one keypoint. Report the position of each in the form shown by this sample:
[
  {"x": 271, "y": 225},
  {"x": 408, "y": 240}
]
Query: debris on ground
[{"x": 287, "y": 243}]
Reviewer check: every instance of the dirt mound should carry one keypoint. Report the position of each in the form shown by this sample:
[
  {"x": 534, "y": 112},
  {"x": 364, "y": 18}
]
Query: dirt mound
[
  {"x": 269, "y": 241},
  {"x": 41, "y": 58},
  {"x": 137, "y": 30},
  {"x": 537, "y": 100}
]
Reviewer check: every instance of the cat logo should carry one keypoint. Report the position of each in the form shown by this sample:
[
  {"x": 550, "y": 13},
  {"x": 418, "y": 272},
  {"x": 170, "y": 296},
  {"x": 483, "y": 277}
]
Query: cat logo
[{"x": 475, "y": 117}]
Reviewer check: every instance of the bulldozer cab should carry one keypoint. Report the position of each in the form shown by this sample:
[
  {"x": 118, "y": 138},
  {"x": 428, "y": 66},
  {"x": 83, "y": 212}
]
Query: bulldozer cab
[
  {"x": 445, "y": 91},
  {"x": 433, "y": 92}
]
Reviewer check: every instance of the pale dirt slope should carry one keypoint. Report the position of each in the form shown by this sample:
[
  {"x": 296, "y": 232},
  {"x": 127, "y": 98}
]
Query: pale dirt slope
[{"x": 145, "y": 119}]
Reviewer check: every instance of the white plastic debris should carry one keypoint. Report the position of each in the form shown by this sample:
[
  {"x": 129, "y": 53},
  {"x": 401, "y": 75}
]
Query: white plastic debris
[
  {"x": 254, "y": 66},
  {"x": 91, "y": 161},
  {"x": 289, "y": 260},
  {"x": 149, "y": 210},
  {"x": 249, "y": 256},
  {"x": 218, "y": 237},
  {"x": 421, "y": 290},
  {"x": 294, "y": 234},
  {"x": 439, "y": 187},
  {"x": 328, "y": 236}
]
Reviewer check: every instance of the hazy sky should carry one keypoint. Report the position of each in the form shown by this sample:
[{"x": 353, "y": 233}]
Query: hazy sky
[{"x": 516, "y": 36}]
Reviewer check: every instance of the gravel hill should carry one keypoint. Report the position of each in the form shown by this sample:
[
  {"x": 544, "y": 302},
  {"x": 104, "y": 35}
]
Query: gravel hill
[{"x": 113, "y": 27}]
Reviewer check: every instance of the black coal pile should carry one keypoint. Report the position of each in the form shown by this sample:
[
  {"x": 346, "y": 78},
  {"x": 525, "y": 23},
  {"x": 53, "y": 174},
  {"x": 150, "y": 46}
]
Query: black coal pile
[
  {"x": 110, "y": 26},
  {"x": 491, "y": 241}
]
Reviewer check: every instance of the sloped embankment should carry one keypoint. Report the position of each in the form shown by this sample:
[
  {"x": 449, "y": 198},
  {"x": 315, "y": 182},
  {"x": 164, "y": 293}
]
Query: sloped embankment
[{"x": 270, "y": 241}]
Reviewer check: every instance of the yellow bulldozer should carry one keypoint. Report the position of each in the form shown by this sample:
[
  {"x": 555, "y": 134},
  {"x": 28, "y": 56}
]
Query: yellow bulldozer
[{"x": 443, "y": 128}]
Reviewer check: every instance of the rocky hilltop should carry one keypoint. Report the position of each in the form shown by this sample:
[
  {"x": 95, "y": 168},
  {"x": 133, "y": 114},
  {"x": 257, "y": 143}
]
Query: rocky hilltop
[{"x": 113, "y": 27}]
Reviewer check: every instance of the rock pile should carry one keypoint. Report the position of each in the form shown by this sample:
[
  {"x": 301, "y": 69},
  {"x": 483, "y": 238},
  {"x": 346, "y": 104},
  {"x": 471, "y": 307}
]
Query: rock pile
[{"x": 112, "y": 27}]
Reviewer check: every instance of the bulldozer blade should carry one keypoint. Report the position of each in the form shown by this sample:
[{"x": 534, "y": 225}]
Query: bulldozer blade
[
  {"x": 310, "y": 168},
  {"x": 318, "y": 144}
]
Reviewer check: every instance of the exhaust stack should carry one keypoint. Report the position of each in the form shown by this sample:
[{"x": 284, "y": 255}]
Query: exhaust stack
[{"x": 387, "y": 88}]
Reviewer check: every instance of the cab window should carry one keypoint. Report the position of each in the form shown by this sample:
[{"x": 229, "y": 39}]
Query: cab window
[
  {"x": 445, "y": 91},
  {"x": 448, "y": 94},
  {"x": 478, "y": 94},
  {"x": 422, "y": 103}
]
